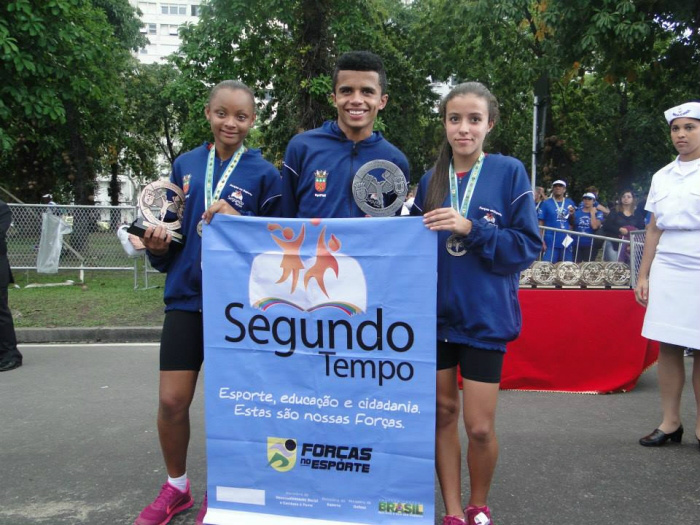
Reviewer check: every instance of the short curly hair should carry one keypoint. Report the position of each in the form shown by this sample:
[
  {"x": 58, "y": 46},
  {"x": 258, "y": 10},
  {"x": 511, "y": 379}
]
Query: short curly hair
[{"x": 360, "y": 61}]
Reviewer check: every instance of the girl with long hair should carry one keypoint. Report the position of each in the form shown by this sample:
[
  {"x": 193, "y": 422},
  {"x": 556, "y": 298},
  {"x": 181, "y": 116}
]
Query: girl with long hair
[{"x": 482, "y": 208}]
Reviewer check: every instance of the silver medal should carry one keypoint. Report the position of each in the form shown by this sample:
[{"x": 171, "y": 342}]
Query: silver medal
[
  {"x": 455, "y": 245},
  {"x": 543, "y": 273},
  {"x": 617, "y": 274},
  {"x": 593, "y": 273},
  {"x": 568, "y": 273}
]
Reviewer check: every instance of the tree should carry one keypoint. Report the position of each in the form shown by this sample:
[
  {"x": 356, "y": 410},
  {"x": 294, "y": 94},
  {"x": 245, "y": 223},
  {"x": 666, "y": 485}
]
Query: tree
[
  {"x": 302, "y": 39},
  {"x": 61, "y": 70},
  {"x": 609, "y": 65}
]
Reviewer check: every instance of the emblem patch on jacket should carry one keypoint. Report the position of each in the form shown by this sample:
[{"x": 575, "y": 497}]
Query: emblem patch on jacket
[
  {"x": 320, "y": 178},
  {"x": 236, "y": 198},
  {"x": 490, "y": 214}
]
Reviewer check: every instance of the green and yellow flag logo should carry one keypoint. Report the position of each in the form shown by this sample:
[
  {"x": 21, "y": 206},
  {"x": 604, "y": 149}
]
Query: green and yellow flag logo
[{"x": 281, "y": 453}]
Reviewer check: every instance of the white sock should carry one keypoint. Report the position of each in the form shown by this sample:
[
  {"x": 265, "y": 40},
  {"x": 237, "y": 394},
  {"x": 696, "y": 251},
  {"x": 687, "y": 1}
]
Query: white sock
[{"x": 179, "y": 483}]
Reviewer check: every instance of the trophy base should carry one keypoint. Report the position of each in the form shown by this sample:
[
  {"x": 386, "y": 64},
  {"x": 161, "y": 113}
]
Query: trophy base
[{"x": 139, "y": 227}]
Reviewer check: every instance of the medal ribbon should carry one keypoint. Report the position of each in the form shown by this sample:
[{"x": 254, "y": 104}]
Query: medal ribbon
[
  {"x": 469, "y": 191},
  {"x": 560, "y": 209},
  {"x": 210, "y": 197}
]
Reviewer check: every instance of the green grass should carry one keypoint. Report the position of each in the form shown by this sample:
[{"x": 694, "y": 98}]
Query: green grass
[{"x": 104, "y": 299}]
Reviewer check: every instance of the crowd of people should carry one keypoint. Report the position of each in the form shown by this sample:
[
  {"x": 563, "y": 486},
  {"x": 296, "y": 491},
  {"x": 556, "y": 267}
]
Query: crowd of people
[
  {"x": 589, "y": 217},
  {"x": 486, "y": 217}
]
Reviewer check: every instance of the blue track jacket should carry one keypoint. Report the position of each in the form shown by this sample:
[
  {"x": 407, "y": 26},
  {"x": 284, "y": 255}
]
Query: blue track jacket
[
  {"x": 319, "y": 166},
  {"x": 254, "y": 188},
  {"x": 477, "y": 299}
]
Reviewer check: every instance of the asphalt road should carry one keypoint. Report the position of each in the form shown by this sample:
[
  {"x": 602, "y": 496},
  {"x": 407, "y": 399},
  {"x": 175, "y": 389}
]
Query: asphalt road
[{"x": 78, "y": 446}]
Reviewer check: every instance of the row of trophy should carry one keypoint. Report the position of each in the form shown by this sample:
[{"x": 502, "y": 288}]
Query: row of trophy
[{"x": 567, "y": 273}]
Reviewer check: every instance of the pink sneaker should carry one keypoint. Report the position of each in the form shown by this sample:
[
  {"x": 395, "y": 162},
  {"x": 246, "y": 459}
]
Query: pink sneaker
[
  {"x": 169, "y": 502},
  {"x": 478, "y": 515},
  {"x": 452, "y": 520},
  {"x": 202, "y": 512}
]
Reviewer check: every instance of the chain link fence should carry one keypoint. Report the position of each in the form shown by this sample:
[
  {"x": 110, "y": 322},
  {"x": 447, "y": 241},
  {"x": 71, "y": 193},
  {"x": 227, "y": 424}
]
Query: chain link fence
[
  {"x": 90, "y": 241},
  {"x": 637, "y": 239}
]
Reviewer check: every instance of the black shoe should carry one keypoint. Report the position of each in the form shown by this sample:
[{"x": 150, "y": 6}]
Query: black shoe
[
  {"x": 658, "y": 438},
  {"x": 10, "y": 364}
]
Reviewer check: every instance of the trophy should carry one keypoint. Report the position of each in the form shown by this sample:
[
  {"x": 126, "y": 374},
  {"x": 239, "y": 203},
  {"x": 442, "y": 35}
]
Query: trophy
[
  {"x": 157, "y": 210},
  {"x": 568, "y": 273},
  {"x": 526, "y": 277},
  {"x": 593, "y": 273},
  {"x": 543, "y": 273},
  {"x": 617, "y": 274},
  {"x": 379, "y": 188}
]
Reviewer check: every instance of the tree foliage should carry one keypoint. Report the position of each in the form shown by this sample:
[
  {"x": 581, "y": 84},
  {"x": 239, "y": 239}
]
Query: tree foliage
[
  {"x": 63, "y": 62},
  {"x": 73, "y": 101},
  {"x": 612, "y": 66},
  {"x": 302, "y": 39}
]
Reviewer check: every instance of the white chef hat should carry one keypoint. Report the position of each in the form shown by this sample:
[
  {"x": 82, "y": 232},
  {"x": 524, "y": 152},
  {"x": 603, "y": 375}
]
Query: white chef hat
[{"x": 688, "y": 110}]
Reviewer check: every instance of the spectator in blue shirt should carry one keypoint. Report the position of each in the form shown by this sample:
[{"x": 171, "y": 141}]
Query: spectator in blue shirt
[{"x": 586, "y": 220}]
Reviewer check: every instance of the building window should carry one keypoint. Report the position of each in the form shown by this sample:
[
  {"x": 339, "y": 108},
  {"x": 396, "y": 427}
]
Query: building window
[
  {"x": 173, "y": 9},
  {"x": 169, "y": 29},
  {"x": 152, "y": 29},
  {"x": 167, "y": 49},
  {"x": 196, "y": 10},
  {"x": 148, "y": 8}
]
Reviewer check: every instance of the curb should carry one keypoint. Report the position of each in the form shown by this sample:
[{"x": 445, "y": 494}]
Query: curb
[{"x": 126, "y": 334}]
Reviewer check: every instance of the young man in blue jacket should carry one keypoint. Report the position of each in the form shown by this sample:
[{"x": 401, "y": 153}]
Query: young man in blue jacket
[{"x": 320, "y": 164}]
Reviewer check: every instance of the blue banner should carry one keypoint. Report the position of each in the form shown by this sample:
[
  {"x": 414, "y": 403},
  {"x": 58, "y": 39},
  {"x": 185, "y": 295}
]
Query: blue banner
[{"x": 319, "y": 370}]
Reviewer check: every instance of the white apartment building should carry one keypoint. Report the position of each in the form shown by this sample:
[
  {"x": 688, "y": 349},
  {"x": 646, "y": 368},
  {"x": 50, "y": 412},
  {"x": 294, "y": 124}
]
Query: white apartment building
[{"x": 161, "y": 21}]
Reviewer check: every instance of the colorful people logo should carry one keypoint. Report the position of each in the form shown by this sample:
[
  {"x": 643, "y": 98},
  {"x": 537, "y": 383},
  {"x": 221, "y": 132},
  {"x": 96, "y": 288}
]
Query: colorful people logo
[
  {"x": 305, "y": 282},
  {"x": 291, "y": 260},
  {"x": 324, "y": 261}
]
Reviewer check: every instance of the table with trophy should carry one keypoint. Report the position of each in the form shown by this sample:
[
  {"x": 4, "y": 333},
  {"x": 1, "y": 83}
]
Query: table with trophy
[{"x": 581, "y": 330}]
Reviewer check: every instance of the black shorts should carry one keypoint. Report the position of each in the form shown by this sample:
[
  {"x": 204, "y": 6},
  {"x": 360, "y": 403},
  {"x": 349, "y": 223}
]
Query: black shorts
[
  {"x": 182, "y": 341},
  {"x": 475, "y": 364}
]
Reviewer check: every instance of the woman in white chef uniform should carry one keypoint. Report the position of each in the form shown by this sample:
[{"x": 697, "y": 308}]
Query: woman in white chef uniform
[{"x": 669, "y": 275}]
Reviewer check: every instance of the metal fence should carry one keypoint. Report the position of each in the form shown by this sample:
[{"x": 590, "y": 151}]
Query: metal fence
[
  {"x": 92, "y": 243},
  {"x": 637, "y": 239}
]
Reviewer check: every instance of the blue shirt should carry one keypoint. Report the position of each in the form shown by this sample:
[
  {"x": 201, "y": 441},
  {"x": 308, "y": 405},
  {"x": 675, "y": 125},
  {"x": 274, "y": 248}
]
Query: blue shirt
[
  {"x": 582, "y": 222},
  {"x": 555, "y": 215}
]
